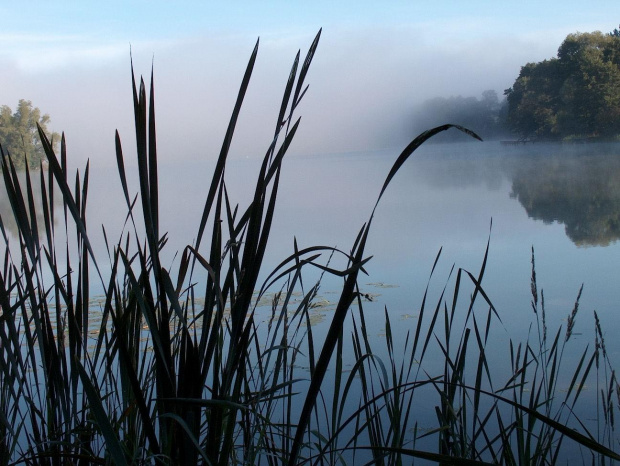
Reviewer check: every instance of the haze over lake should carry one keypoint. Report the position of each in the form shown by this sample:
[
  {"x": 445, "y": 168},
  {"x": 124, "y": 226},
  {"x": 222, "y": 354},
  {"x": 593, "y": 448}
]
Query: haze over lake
[{"x": 563, "y": 200}]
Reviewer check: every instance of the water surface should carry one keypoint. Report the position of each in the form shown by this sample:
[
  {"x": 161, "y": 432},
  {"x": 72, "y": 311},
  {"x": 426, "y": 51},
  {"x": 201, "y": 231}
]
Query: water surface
[{"x": 562, "y": 200}]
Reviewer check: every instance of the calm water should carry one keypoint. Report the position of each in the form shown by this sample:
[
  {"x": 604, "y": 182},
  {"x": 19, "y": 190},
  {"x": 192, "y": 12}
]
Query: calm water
[{"x": 562, "y": 200}]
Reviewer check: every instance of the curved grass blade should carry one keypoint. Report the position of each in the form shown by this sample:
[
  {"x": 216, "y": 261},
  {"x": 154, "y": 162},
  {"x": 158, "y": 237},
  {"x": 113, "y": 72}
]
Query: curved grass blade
[
  {"x": 587, "y": 442},
  {"x": 347, "y": 296},
  {"x": 188, "y": 432},
  {"x": 415, "y": 144},
  {"x": 113, "y": 445}
]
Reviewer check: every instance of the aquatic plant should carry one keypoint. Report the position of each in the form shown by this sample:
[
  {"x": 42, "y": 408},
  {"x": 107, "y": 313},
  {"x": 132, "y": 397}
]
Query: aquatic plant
[{"x": 172, "y": 366}]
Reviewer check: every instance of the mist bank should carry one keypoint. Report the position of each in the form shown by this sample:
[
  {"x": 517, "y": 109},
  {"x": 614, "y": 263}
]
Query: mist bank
[
  {"x": 486, "y": 116},
  {"x": 362, "y": 89}
]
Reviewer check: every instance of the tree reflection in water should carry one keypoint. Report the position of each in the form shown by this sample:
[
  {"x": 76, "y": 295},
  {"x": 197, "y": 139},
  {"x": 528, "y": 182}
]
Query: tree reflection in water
[{"x": 580, "y": 191}]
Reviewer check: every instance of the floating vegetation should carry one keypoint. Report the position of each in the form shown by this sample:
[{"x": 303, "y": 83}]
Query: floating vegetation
[{"x": 382, "y": 285}]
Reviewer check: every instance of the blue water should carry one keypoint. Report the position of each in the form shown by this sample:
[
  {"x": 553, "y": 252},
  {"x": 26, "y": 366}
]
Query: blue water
[{"x": 564, "y": 201}]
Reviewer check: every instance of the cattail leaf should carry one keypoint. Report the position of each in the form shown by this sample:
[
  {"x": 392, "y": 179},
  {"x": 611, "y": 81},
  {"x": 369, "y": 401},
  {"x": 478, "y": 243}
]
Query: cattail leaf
[
  {"x": 287, "y": 94},
  {"x": 587, "y": 442},
  {"x": 69, "y": 202},
  {"x": 121, "y": 167},
  {"x": 303, "y": 72},
  {"x": 221, "y": 161},
  {"x": 153, "y": 180},
  {"x": 483, "y": 294},
  {"x": 18, "y": 205},
  {"x": 113, "y": 445},
  {"x": 49, "y": 228},
  {"x": 149, "y": 315},
  {"x": 34, "y": 228}
]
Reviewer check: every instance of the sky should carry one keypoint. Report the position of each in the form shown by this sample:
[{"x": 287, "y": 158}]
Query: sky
[{"x": 375, "y": 62}]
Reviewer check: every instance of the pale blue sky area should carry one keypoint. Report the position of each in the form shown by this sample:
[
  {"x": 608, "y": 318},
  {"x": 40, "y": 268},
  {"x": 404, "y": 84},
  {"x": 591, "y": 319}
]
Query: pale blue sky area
[
  {"x": 157, "y": 19},
  {"x": 376, "y": 60}
]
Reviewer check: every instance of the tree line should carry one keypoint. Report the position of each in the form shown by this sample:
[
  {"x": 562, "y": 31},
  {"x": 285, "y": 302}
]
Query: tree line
[{"x": 574, "y": 96}]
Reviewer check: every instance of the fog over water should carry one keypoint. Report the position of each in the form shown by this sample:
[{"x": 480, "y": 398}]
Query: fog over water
[
  {"x": 365, "y": 83},
  {"x": 563, "y": 200}
]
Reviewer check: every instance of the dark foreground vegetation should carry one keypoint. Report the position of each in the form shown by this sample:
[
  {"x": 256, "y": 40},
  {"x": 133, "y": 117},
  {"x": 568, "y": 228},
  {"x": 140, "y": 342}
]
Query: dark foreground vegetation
[{"x": 177, "y": 369}]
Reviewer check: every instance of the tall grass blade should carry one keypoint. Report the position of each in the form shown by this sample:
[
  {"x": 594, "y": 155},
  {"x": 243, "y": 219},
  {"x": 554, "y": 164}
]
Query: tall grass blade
[
  {"x": 113, "y": 445},
  {"x": 68, "y": 200},
  {"x": 221, "y": 161}
]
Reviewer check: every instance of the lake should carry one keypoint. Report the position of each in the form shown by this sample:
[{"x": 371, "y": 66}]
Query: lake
[{"x": 562, "y": 200}]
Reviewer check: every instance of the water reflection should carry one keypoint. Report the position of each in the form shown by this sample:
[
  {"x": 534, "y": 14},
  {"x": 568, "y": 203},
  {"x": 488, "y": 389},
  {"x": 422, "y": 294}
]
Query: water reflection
[
  {"x": 577, "y": 186},
  {"x": 582, "y": 192}
]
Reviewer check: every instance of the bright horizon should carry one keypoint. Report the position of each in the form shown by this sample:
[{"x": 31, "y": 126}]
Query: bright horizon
[{"x": 374, "y": 63}]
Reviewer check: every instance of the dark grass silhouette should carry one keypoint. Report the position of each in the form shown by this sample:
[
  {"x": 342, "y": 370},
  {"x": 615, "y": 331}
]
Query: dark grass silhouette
[{"x": 172, "y": 373}]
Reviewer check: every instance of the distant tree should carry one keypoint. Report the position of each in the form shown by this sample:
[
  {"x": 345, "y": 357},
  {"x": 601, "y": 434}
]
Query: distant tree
[
  {"x": 490, "y": 100},
  {"x": 482, "y": 116},
  {"x": 19, "y": 135},
  {"x": 576, "y": 94}
]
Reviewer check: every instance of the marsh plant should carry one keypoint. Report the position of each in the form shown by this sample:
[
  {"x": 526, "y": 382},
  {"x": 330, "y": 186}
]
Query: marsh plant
[{"x": 174, "y": 366}]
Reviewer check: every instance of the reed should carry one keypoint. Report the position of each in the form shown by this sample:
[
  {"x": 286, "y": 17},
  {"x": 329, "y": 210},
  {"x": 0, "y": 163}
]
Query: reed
[{"x": 164, "y": 370}]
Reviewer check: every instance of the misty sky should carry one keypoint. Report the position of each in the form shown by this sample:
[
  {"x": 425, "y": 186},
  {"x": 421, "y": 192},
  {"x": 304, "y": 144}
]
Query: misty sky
[{"x": 375, "y": 61}]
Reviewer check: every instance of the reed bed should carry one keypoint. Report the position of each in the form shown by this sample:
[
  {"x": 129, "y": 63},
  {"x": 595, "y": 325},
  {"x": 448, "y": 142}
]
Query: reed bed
[{"x": 174, "y": 367}]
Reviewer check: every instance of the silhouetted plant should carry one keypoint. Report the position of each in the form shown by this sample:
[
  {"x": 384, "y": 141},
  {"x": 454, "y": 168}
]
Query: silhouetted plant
[{"x": 161, "y": 371}]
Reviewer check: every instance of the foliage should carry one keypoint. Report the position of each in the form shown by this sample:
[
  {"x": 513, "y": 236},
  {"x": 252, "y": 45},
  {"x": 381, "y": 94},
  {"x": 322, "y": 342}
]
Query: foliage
[
  {"x": 485, "y": 115},
  {"x": 576, "y": 95},
  {"x": 19, "y": 135},
  {"x": 171, "y": 367}
]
